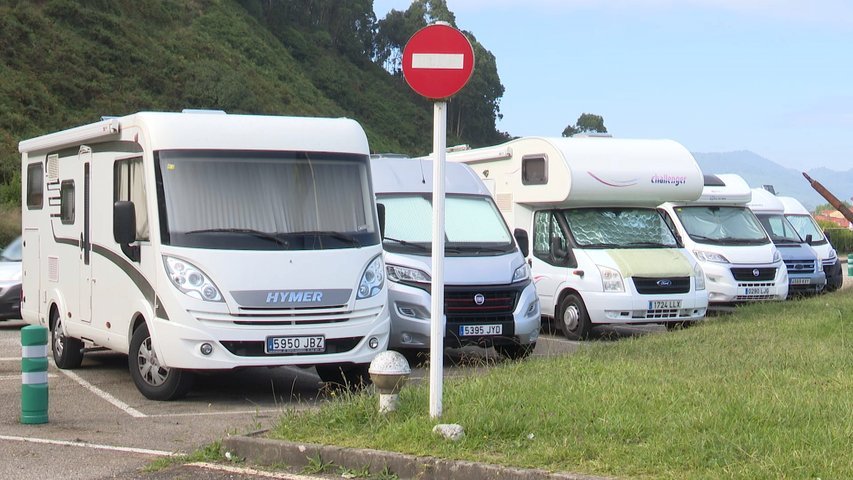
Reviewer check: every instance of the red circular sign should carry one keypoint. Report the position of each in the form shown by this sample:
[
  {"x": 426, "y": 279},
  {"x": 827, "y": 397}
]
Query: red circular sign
[{"x": 438, "y": 61}]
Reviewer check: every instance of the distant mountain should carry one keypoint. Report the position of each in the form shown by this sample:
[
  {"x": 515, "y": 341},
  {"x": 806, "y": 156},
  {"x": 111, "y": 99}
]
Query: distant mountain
[{"x": 758, "y": 171}]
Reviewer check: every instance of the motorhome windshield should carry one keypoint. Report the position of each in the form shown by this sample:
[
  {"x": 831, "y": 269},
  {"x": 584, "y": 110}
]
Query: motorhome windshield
[
  {"x": 780, "y": 229},
  {"x": 805, "y": 225},
  {"x": 264, "y": 200},
  {"x": 473, "y": 226},
  {"x": 619, "y": 228},
  {"x": 724, "y": 225}
]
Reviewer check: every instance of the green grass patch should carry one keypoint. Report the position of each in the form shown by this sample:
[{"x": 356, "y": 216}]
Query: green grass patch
[{"x": 766, "y": 392}]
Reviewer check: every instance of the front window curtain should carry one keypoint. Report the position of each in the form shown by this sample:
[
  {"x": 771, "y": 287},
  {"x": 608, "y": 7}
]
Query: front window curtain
[
  {"x": 129, "y": 185},
  {"x": 35, "y": 185}
]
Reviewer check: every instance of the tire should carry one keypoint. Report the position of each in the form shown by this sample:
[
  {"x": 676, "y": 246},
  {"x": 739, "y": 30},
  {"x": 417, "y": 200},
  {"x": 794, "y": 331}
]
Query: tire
[
  {"x": 153, "y": 380},
  {"x": 346, "y": 376},
  {"x": 67, "y": 351},
  {"x": 516, "y": 351},
  {"x": 573, "y": 318}
]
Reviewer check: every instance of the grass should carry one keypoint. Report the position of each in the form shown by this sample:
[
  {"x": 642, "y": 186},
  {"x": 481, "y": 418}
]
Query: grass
[{"x": 766, "y": 392}]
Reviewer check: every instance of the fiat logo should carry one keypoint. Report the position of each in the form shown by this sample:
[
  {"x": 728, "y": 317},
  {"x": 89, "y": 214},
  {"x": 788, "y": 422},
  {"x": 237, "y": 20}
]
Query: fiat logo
[
  {"x": 756, "y": 272},
  {"x": 479, "y": 299},
  {"x": 664, "y": 282}
]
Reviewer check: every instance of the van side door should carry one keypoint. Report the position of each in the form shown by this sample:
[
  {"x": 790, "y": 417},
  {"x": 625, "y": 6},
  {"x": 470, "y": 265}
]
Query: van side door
[{"x": 550, "y": 259}]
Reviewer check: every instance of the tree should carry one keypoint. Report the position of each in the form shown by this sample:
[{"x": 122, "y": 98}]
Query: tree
[{"x": 587, "y": 122}]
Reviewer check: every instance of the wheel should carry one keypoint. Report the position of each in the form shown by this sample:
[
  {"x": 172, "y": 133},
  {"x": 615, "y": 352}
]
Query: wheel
[
  {"x": 515, "y": 351},
  {"x": 67, "y": 351},
  {"x": 153, "y": 380},
  {"x": 573, "y": 319},
  {"x": 347, "y": 376}
]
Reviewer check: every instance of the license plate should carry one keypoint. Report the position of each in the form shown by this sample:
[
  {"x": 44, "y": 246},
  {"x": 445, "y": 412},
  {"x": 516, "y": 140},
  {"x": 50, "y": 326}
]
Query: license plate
[
  {"x": 304, "y": 344},
  {"x": 664, "y": 304},
  {"x": 799, "y": 281},
  {"x": 756, "y": 291},
  {"x": 480, "y": 330}
]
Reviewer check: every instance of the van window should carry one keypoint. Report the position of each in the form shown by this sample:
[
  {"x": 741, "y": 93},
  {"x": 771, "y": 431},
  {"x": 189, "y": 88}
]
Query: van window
[
  {"x": 66, "y": 202},
  {"x": 534, "y": 170},
  {"x": 544, "y": 229},
  {"x": 35, "y": 185},
  {"x": 129, "y": 185}
]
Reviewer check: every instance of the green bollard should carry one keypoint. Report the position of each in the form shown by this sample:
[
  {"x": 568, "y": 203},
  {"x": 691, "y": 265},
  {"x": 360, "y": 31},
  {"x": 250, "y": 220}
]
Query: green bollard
[
  {"x": 33, "y": 374},
  {"x": 850, "y": 264}
]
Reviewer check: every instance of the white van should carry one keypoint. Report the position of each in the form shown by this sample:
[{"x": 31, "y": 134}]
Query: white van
[
  {"x": 805, "y": 273},
  {"x": 205, "y": 241},
  {"x": 489, "y": 298},
  {"x": 601, "y": 252},
  {"x": 740, "y": 262},
  {"x": 811, "y": 232}
]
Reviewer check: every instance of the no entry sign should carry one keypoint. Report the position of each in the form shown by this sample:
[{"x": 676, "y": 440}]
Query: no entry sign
[{"x": 438, "y": 61}]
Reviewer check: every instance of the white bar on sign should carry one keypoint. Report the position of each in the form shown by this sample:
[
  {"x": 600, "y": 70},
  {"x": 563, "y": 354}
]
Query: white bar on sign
[{"x": 447, "y": 61}]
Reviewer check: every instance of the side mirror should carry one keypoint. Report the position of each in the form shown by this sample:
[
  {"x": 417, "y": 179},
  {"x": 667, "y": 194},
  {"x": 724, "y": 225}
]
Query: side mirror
[
  {"x": 380, "y": 209},
  {"x": 124, "y": 228},
  {"x": 809, "y": 239},
  {"x": 522, "y": 240},
  {"x": 558, "y": 249}
]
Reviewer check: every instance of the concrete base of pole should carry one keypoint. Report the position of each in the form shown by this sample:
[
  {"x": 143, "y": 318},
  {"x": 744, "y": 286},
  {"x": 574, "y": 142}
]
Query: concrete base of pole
[{"x": 388, "y": 402}]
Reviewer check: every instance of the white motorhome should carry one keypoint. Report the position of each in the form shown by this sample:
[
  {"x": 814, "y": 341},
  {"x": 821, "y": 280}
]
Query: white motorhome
[
  {"x": 811, "y": 232},
  {"x": 740, "y": 262},
  {"x": 601, "y": 252},
  {"x": 489, "y": 298},
  {"x": 205, "y": 241},
  {"x": 805, "y": 273}
]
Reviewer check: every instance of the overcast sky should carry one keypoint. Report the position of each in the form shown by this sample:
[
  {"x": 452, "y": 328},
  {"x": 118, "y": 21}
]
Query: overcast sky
[{"x": 771, "y": 76}]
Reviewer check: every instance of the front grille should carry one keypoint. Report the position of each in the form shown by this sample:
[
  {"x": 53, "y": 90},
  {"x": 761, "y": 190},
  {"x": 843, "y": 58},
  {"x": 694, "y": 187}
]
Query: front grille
[
  {"x": 800, "y": 266},
  {"x": 754, "y": 274},
  {"x": 661, "y": 285},
  {"x": 479, "y": 302},
  {"x": 256, "y": 348}
]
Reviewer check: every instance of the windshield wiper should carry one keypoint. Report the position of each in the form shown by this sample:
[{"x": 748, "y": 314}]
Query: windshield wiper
[
  {"x": 248, "y": 231},
  {"x": 599, "y": 245},
  {"x": 477, "y": 249},
  {"x": 344, "y": 237},
  {"x": 651, "y": 244},
  {"x": 407, "y": 244}
]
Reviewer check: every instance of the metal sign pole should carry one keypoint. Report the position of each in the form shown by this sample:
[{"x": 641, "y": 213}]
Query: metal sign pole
[{"x": 437, "y": 321}]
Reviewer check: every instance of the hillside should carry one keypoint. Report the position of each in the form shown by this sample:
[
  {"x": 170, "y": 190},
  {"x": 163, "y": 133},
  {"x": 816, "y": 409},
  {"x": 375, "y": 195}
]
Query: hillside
[
  {"x": 758, "y": 171},
  {"x": 65, "y": 63}
]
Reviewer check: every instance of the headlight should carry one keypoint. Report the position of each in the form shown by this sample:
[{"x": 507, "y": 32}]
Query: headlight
[
  {"x": 372, "y": 279},
  {"x": 703, "y": 256},
  {"x": 521, "y": 273},
  {"x": 190, "y": 280},
  {"x": 777, "y": 257},
  {"x": 397, "y": 273},
  {"x": 611, "y": 279},
  {"x": 832, "y": 254},
  {"x": 699, "y": 276}
]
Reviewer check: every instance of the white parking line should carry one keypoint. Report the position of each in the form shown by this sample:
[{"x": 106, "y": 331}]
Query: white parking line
[
  {"x": 202, "y": 414},
  {"x": 104, "y": 395},
  {"x": 10, "y": 359},
  {"x": 143, "y": 451},
  {"x": 251, "y": 471}
]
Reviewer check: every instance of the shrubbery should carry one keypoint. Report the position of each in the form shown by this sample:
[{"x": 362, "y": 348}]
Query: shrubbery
[{"x": 841, "y": 239}]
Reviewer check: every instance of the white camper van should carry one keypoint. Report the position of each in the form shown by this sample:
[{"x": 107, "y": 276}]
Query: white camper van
[
  {"x": 740, "y": 262},
  {"x": 811, "y": 232},
  {"x": 601, "y": 252},
  {"x": 805, "y": 273},
  {"x": 489, "y": 297},
  {"x": 205, "y": 241}
]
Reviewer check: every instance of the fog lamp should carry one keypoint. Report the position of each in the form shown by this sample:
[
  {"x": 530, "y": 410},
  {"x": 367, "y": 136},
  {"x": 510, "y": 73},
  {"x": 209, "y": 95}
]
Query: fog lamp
[{"x": 206, "y": 349}]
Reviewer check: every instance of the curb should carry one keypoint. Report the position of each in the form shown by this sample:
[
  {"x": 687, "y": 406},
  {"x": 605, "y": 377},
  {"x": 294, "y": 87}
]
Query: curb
[{"x": 263, "y": 451}]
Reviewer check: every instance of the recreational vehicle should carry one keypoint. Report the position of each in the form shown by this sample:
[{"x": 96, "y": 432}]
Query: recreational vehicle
[
  {"x": 489, "y": 298},
  {"x": 741, "y": 264},
  {"x": 805, "y": 273},
  {"x": 601, "y": 252},
  {"x": 205, "y": 241},
  {"x": 809, "y": 230}
]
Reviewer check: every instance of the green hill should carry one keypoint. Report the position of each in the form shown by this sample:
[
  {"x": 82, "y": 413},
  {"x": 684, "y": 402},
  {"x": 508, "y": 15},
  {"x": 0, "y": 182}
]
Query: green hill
[{"x": 67, "y": 63}]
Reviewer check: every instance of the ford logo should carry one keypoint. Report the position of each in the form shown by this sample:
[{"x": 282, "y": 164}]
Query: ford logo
[
  {"x": 756, "y": 272},
  {"x": 479, "y": 299},
  {"x": 664, "y": 283}
]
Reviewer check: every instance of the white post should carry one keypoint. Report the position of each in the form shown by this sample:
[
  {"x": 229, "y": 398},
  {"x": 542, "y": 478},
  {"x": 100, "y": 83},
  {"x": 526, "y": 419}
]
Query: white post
[{"x": 437, "y": 324}]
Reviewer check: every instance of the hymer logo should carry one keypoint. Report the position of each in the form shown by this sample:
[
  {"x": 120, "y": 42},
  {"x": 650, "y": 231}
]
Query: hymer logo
[{"x": 298, "y": 296}]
